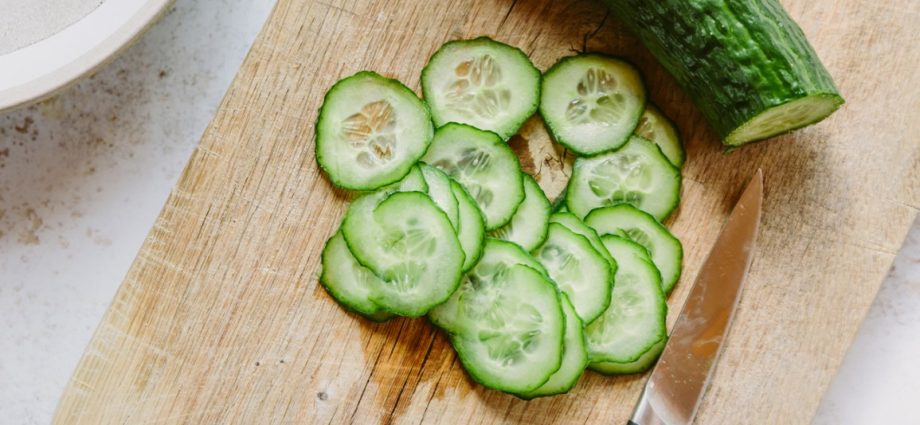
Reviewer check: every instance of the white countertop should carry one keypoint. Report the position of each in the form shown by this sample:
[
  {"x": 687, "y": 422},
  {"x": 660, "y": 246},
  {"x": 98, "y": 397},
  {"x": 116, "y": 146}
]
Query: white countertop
[{"x": 83, "y": 176}]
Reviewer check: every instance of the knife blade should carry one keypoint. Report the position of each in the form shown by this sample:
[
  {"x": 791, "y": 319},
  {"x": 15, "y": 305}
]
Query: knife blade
[{"x": 676, "y": 385}]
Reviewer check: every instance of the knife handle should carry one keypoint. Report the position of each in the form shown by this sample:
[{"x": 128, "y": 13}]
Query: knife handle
[{"x": 631, "y": 423}]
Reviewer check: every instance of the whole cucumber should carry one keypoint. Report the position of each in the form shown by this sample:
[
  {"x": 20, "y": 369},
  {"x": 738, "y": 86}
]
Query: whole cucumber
[{"x": 745, "y": 63}]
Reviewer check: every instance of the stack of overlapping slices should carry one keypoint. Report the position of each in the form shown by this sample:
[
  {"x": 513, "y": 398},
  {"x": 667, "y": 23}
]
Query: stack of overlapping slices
[{"x": 447, "y": 225}]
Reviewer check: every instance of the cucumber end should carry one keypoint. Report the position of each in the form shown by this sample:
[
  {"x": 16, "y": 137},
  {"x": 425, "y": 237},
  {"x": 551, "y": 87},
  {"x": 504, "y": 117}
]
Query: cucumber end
[{"x": 784, "y": 118}]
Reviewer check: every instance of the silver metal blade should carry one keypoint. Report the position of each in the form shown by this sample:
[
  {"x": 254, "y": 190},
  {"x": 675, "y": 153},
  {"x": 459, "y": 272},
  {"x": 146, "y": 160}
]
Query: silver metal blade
[{"x": 676, "y": 385}]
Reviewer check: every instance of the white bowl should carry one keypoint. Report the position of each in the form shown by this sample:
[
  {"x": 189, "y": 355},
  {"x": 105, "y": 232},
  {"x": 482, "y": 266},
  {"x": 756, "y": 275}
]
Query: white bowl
[{"x": 38, "y": 70}]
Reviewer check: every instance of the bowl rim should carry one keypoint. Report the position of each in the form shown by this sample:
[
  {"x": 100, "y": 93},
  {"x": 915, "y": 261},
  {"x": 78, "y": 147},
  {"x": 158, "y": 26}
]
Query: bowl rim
[{"x": 89, "y": 55}]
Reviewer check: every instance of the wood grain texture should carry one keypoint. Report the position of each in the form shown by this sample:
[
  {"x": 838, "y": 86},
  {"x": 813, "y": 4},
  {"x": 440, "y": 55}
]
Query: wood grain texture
[{"x": 221, "y": 319}]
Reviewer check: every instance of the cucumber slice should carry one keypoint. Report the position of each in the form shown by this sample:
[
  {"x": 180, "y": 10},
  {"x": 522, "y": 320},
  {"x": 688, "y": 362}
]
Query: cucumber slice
[
  {"x": 572, "y": 223},
  {"x": 412, "y": 182},
  {"x": 347, "y": 280},
  {"x": 578, "y": 270},
  {"x": 643, "y": 363},
  {"x": 408, "y": 242},
  {"x": 637, "y": 174},
  {"x": 371, "y": 130},
  {"x": 635, "y": 320},
  {"x": 624, "y": 220},
  {"x": 440, "y": 192},
  {"x": 654, "y": 126},
  {"x": 471, "y": 233},
  {"x": 528, "y": 225},
  {"x": 484, "y": 165},
  {"x": 574, "y": 356},
  {"x": 497, "y": 257},
  {"x": 483, "y": 83},
  {"x": 591, "y": 103},
  {"x": 510, "y": 342},
  {"x": 502, "y": 255}
]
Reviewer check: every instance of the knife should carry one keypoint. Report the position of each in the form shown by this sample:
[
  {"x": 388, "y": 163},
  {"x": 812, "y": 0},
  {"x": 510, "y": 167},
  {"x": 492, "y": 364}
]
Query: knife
[{"x": 676, "y": 386}]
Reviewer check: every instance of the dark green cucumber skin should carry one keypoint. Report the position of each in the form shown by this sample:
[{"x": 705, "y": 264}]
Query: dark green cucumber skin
[{"x": 735, "y": 58}]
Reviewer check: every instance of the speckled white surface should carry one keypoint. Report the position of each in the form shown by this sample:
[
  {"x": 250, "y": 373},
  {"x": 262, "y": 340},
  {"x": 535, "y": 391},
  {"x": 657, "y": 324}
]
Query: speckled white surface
[
  {"x": 82, "y": 178},
  {"x": 879, "y": 382}
]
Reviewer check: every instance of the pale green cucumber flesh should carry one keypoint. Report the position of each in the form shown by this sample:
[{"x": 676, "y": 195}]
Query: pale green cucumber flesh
[
  {"x": 592, "y": 103},
  {"x": 440, "y": 192},
  {"x": 642, "y": 364},
  {"x": 472, "y": 226},
  {"x": 656, "y": 127},
  {"x": 528, "y": 225},
  {"x": 784, "y": 118},
  {"x": 370, "y": 131},
  {"x": 578, "y": 270},
  {"x": 573, "y": 223},
  {"x": 409, "y": 243},
  {"x": 624, "y": 220},
  {"x": 574, "y": 356},
  {"x": 635, "y": 320},
  {"x": 497, "y": 257},
  {"x": 484, "y": 165},
  {"x": 347, "y": 280},
  {"x": 414, "y": 181},
  {"x": 637, "y": 174},
  {"x": 482, "y": 83},
  {"x": 509, "y": 342}
]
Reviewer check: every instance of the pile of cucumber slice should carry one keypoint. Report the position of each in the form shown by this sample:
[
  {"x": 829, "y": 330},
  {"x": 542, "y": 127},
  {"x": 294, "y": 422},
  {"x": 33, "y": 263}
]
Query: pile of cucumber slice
[{"x": 529, "y": 292}]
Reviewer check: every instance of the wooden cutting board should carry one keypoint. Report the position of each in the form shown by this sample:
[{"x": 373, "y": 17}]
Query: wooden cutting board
[{"x": 221, "y": 320}]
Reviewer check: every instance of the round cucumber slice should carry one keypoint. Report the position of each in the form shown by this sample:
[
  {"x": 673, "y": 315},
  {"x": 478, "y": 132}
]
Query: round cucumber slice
[
  {"x": 511, "y": 342},
  {"x": 501, "y": 256},
  {"x": 440, "y": 192},
  {"x": 409, "y": 243},
  {"x": 637, "y": 174},
  {"x": 643, "y": 363},
  {"x": 592, "y": 103},
  {"x": 483, "y": 83},
  {"x": 635, "y": 320},
  {"x": 577, "y": 226},
  {"x": 624, "y": 220},
  {"x": 371, "y": 130},
  {"x": 347, "y": 281},
  {"x": 412, "y": 182},
  {"x": 656, "y": 127},
  {"x": 497, "y": 257},
  {"x": 528, "y": 225},
  {"x": 472, "y": 232},
  {"x": 484, "y": 165},
  {"x": 574, "y": 356},
  {"x": 578, "y": 270}
]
